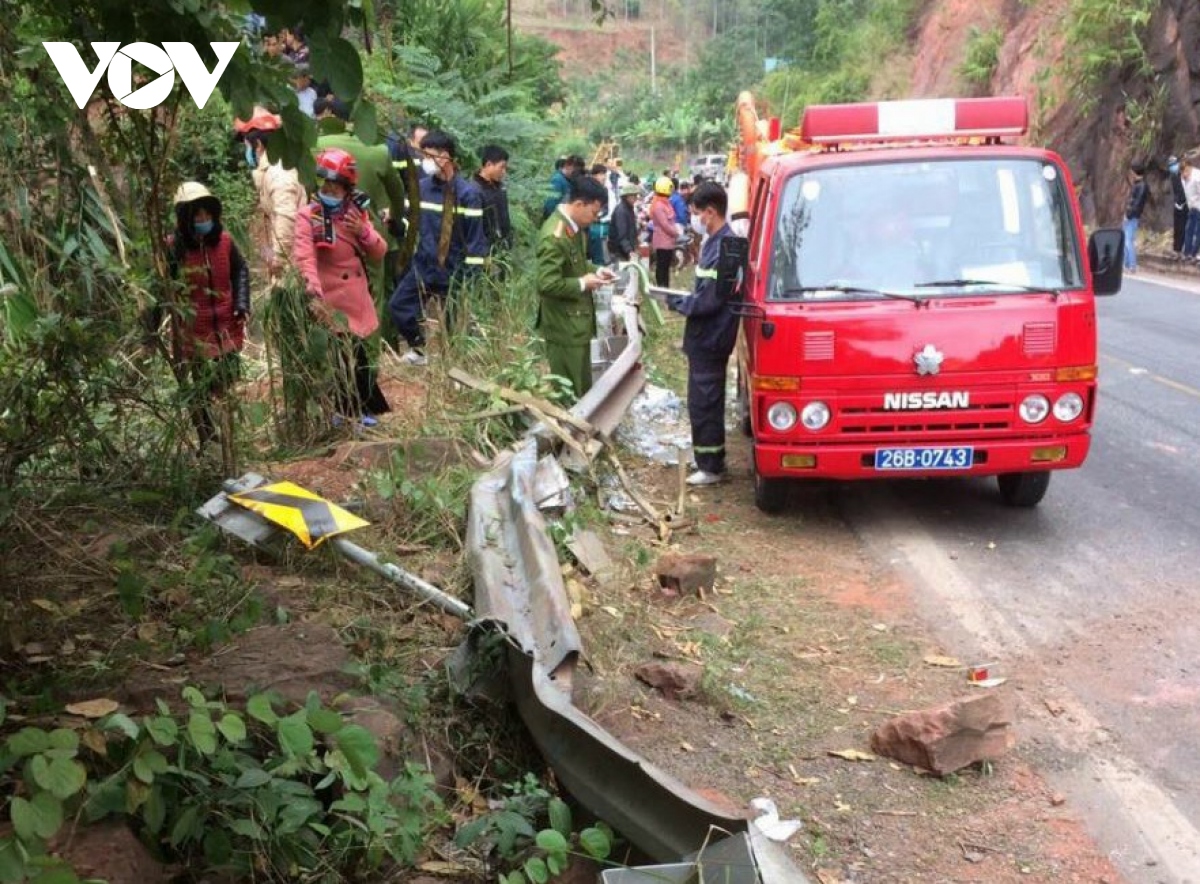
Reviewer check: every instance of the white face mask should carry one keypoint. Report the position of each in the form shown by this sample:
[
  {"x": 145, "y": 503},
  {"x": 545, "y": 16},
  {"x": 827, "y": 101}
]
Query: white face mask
[
  {"x": 698, "y": 225},
  {"x": 428, "y": 166}
]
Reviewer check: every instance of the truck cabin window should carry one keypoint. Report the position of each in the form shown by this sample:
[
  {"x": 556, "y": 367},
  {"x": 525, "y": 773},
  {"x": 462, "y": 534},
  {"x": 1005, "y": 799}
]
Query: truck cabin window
[{"x": 949, "y": 228}]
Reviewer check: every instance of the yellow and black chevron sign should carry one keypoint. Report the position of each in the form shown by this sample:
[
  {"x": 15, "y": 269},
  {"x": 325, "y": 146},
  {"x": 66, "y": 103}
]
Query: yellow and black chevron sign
[{"x": 309, "y": 517}]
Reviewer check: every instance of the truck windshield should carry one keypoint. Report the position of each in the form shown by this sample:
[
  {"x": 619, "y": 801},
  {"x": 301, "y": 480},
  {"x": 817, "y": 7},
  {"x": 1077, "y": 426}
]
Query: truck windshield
[{"x": 924, "y": 229}]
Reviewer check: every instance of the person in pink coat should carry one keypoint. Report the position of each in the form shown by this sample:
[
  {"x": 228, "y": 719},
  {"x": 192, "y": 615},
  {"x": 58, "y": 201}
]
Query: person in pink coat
[
  {"x": 334, "y": 238},
  {"x": 666, "y": 231}
]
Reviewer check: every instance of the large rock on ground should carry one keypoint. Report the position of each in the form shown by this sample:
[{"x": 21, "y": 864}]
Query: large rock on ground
[
  {"x": 686, "y": 573},
  {"x": 109, "y": 851},
  {"x": 950, "y": 737},
  {"x": 293, "y": 659},
  {"x": 675, "y": 681}
]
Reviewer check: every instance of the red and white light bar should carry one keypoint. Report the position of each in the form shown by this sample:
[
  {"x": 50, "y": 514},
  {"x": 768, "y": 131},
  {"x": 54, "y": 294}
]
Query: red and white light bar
[{"x": 918, "y": 119}]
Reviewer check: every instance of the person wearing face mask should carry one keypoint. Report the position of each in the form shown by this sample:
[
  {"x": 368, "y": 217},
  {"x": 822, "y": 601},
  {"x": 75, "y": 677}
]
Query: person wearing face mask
[
  {"x": 709, "y": 334},
  {"x": 279, "y": 191},
  {"x": 216, "y": 284},
  {"x": 335, "y": 243},
  {"x": 452, "y": 246},
  {"x": 379, "y": 180}
]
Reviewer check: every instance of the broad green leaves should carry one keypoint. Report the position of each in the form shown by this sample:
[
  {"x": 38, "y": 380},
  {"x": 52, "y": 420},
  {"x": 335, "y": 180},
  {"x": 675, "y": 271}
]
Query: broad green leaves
[
  {"x": 295, "y": 736},
  {"x": 36, "y": 819},
  {"x": 61, "y": 777},
  {"x": 202, "y": 732},
  {"x": 220, "y": 788}
]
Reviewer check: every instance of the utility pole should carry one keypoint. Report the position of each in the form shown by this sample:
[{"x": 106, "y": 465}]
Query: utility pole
[{"x": 653, "y": 69}]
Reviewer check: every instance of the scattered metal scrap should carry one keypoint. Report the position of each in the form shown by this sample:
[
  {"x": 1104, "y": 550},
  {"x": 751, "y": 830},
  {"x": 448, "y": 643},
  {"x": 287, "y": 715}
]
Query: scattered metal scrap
[{"x": 519, "y": 587}]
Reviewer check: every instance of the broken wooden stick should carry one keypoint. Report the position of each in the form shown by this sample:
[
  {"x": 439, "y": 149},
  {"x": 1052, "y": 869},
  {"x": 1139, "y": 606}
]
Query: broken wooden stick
[
  {"x": 656, "y": 519},
  {"x": 682, "y": 502},
  {"x": 527, "y": 399}
]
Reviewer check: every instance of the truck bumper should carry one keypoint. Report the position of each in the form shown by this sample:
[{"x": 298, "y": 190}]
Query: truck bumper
[{"x": 857, "y": 461}]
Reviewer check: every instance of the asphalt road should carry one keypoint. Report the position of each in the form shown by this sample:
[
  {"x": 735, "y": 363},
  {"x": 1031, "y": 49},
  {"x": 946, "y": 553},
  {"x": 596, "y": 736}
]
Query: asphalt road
[{"x": 1090, "y": 603}]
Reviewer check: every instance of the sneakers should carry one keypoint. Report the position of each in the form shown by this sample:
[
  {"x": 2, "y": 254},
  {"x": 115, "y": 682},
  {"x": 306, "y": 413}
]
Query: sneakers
[
  {"x": 365, "y": 421},
  {"x": 414, "y": 356},
  {"x": 700, "y": 477}
]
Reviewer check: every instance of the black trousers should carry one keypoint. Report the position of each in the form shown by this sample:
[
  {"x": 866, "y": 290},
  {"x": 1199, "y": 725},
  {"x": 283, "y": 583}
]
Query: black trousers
[
  {"x": 1181, "y": 216},
  {"x": 663, "y": 261},
  {"x": 357, "y": 391},
  {"x": 706, "y": 411},
  {"x": 211, "y": 380}
]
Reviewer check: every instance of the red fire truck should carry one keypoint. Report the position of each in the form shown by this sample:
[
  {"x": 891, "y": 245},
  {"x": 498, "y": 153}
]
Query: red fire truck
[{"x": 918, "y": 298}]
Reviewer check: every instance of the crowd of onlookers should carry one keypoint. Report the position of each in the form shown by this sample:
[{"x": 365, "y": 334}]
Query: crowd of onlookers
[
  {"x": 385, "y": 238},
  {"x": 1184, "y": 177}
]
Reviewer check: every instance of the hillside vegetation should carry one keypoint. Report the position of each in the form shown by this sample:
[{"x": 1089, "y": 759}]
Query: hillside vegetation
[{"x": 1110, "y": 82}]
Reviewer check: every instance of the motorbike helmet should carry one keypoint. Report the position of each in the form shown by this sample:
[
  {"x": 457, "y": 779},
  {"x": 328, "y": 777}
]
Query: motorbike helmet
[
  {"x": 664, "y": 186},
  {"x": 262, "y": 120},
  {"x": 335, "y": 164}
]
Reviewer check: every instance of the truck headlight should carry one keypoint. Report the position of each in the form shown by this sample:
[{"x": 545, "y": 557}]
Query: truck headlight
[
  {"x": 1068, "y": 407},
  {"x": 781, "y": 416},
  {"x": 1034, "y": 408},
  {"x": 815, "y": 415}
]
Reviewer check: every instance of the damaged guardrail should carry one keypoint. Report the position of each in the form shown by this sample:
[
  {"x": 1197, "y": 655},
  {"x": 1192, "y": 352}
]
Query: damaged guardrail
[{"x": 519, "y": 586}]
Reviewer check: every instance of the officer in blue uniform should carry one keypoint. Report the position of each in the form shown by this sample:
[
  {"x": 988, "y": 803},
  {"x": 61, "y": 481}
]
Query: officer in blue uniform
[
  {"x": 451, "y": 245},
  {"x": 711, "y": 330}
]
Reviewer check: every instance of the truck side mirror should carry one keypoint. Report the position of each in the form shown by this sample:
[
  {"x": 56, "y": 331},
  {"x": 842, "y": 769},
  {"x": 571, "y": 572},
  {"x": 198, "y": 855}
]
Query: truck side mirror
[{"x": 1106, "y": 256}]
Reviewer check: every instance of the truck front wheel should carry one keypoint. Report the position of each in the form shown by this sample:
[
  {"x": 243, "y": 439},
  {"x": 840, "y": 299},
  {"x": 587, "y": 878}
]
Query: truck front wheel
[
  {"x": 1023, "y": 489},
  {"x": 770, "y": 495}
]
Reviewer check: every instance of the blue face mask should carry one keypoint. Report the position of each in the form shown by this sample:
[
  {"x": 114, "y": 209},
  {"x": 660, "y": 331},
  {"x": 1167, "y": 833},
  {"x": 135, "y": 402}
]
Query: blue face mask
[
  {"x": 329, "y": 201},
  {"x": 1173, "y": 168},
  {"x": 204, "y": 228},
  {"x": 251, "y": 156}
]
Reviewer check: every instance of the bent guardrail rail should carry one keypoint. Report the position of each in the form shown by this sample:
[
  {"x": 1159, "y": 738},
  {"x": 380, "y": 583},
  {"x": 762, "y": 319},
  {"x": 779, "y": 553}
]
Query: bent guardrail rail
[{"x": 518, "y": 585}]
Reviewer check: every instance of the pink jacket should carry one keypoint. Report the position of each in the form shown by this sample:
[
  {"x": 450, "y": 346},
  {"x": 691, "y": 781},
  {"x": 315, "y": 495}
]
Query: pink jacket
[
  {"x": 662, "y": 216},
  {"x": 335, "y": 272}
]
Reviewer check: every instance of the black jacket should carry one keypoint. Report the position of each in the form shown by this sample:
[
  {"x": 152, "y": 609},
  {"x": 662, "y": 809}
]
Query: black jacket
[
  {"x": 712, "y": 326},
  {"x": 497, "y": 224},
  {"x": 1137, "y": 199},
  {"x": 622, "y": 233},
  {"x": 1178, "y": 195}
]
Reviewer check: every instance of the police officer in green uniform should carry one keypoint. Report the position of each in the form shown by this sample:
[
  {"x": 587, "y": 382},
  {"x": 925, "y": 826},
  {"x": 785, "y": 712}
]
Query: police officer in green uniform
[{"x": 566, "y": 280}]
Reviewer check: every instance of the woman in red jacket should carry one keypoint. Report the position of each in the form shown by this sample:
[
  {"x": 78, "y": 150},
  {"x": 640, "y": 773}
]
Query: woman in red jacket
[
  {"x": 217, "y": 281},
  {"x": 334, "y": 237}
]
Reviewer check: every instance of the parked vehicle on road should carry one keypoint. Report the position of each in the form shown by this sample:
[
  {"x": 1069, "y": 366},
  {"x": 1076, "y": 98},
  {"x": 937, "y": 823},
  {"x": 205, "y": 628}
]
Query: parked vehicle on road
[
  {"x": 918, "y": 300},
  {"x": 710, "y": 166}
]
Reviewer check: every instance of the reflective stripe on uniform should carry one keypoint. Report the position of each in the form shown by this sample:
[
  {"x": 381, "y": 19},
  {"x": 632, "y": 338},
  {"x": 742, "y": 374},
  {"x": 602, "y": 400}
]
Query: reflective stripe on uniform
[
  {"x": 474, "y": 261},
  {"x": 399, "y": 164},
  {"x": 465, "y": 211},
  {"x": 706, "y": 274},
  {"x": 708, "y": 449}
]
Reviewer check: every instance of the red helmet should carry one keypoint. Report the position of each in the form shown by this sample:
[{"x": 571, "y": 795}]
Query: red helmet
[
  {"x": 262, "y": 120},
  {"x": 335, "y": 164}
]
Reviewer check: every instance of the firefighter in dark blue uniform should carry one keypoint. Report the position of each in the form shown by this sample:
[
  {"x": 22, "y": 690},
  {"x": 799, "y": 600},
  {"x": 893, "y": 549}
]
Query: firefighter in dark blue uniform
[
  {"x": 711, "y": 330},
  {"x": 451, "y": 245}
]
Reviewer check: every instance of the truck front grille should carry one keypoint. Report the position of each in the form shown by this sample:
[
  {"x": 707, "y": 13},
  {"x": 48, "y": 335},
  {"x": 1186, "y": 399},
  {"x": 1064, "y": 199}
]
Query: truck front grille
[{"x": 989, "y": 417}]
